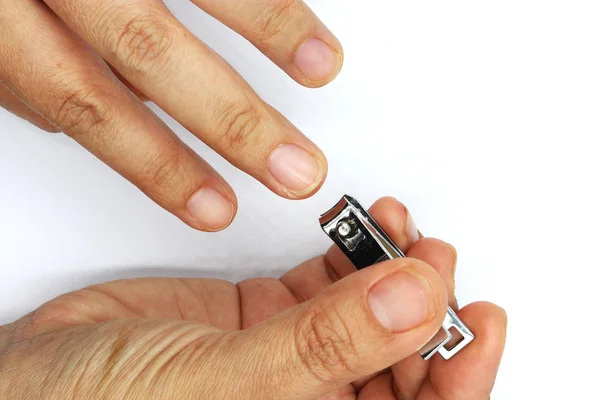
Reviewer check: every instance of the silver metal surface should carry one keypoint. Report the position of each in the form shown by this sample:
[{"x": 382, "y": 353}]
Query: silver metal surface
[{"x": 363, "y": 241}]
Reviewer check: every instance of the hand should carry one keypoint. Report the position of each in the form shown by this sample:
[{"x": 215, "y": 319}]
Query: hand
[
  {"x": 84, "y": 67},
  {"x": 320, "y": 331}
]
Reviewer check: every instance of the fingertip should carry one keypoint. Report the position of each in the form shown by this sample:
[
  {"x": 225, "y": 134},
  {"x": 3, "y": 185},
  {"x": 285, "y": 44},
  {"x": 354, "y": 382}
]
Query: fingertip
[
  {"x": 388, "y": 202},
  {"x": 300, "y": 172},
  {"x": 437, "y": 253},
  {"x": 485, "y": 314},
  {"x": 497, "y": 318},
  {"x": 319, "y": 61},
  {"x": 210, "y": 210},
  {"x": 488, "y": 323},
  {"x": 396, "y": 220}
]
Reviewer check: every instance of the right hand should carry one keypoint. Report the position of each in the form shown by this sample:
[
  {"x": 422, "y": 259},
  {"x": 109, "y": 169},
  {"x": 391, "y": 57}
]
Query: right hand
[
  {"x": 321, "y": 330},
  {"x": 84, "y": 67}
]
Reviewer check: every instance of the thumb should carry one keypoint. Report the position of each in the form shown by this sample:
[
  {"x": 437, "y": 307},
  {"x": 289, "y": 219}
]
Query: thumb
[{"x": 358, "y": 326}]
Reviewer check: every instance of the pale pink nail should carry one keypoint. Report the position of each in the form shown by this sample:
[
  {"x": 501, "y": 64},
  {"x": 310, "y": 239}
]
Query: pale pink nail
[
  {"x": 411, "y": 229},
  {"x": 294, "y": 168},
  {"x": 211, "y": 209},
  {"x": 315, "y": 60},
  {"x": 401, "y": 302}
]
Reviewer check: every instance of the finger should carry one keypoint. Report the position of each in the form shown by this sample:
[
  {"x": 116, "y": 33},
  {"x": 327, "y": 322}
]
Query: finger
[
  {"x": 360, "y": 325},
  {"x": 128, "y": 84},
  {"x": 344, "y": 393},
  {"x": 211, "y": 302},
  {"x": 158, "y": 55},
  {"x": 312, "y": 277},
  {"x": 13, "y": 104},
  {"x": 287, "y": 32},
  {"x": 262, "y": 298},
  {"x": 411, "y": 372},
  {"x": 380, "y": 388},
  {"x": 442, "y": 257},
  {"x": 470, "y": 374},
  {"x": 72, "y": 87},
  {"x": 305, "y": 282},
  {"x": 208, "y": 301}
]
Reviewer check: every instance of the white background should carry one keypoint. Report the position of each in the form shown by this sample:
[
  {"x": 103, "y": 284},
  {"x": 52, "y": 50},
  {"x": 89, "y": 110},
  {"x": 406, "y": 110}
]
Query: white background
[{"x": 483, "y": 117}]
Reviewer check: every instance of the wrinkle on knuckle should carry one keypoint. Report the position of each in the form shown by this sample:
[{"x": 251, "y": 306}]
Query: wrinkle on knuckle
[
  {"x": 32, "y": 323},
  {"x": 44, "y": 319},
  {"x": 80, "y": 109},
  {"x": 273, "y": 21},
  {"x": 238, "y": 126},
  {"x": 142, "y": 43},
  {"x": 325, "y": 344},
  {"x": 161, "y": 172}
]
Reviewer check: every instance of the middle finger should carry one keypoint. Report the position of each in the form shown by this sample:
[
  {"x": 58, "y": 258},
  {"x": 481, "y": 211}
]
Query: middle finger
[{"x": 144, "y": 42}]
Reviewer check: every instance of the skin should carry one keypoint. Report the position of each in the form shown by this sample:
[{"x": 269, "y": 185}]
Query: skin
[
  {"x": 307, "y": 335},
  {"x": 85, "y": 68}
]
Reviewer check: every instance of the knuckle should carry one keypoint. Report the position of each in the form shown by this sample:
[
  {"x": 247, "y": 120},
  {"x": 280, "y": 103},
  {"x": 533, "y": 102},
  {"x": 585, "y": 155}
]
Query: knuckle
[
  {"x": 30, "y": 324},
  {"x": 141, "y": 44},
  {"x": 238, "y": 126},
  {"x": 161, "y": 171},
  {"x": 325, "y": 344},
  {"x": 80, "y": 109},
  {"x": 274, "y": 19},
  {"x": 58, "y": 312}
]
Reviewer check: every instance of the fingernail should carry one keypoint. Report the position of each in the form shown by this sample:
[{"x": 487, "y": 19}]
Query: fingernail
[
  {"x": 411, "y": 229},
  {"x": 401, "y": 301},
  {"x": 315, "y": 60},
  {"x": 211, "y": 209},
  {"x": 294, "y": 168},
  {"x": 455, "y": 259}
]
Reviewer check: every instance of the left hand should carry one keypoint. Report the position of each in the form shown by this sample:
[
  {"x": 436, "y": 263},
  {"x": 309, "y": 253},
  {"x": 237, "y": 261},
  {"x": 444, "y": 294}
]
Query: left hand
[
  {"x": 84, "y": 67},
  {"x": 127, "y": 339}
]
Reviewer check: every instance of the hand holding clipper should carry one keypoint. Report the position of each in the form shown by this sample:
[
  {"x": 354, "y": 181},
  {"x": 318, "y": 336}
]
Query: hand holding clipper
[{"x": 363, "y": 241}]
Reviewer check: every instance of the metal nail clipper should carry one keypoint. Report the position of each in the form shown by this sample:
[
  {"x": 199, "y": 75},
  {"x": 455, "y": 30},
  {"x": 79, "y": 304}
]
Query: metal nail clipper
[{"x": 359, "y": 237}]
